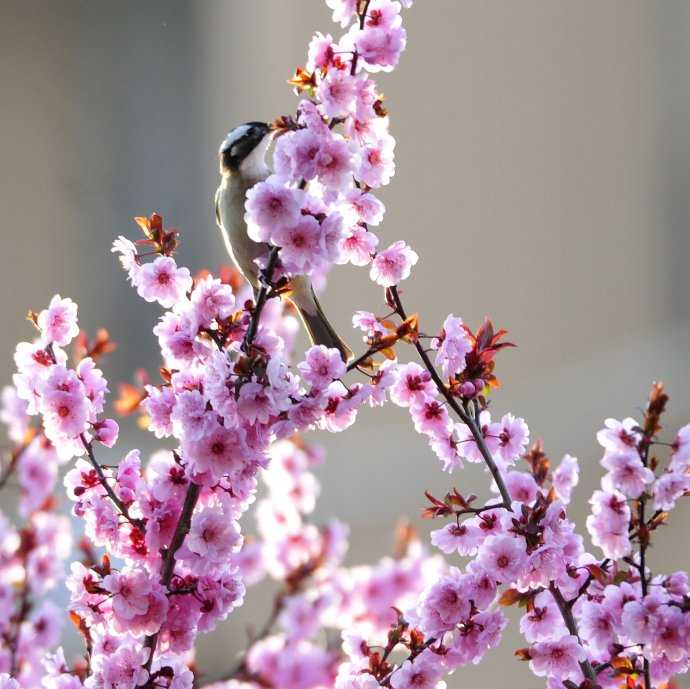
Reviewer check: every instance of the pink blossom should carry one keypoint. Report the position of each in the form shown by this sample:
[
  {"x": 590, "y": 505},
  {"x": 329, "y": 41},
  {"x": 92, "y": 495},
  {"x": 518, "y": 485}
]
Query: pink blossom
[
  {"x": 671, "y": 632},
  {"x": 680, "y": 450},
  {"x": 424, "y": 672},
  {"x": 106, "y": 432},
  {"x": 444, "y": 604},
  {"x": 377, "y": 162},
  {"x": 463, "y": 538},
  {"x": 95, "y": 385},
  {"x": 162, "y": 281},
  {"x": 130, "y": 590},
  {"x": 430, "y": 417},
  {"x": 668, "y": 488},
  {"x": 544, "y": 621},
  {"x": 366, "y": 206},
  {"x": 124, "y": 668},
  {"x": 638, "y": 618},
  {"x": 64, "y": 406},
  {"x": 383, "y": 14},
  {"x": 212, "y": 300},
  {"x": 446, "y": 449},
  {"x": 127, "y": 251},
  {"x": 37, "y": 473},
  {"x": 321, "y": 366},
  {"x": 358, "y": 245},
  {"x": 545, "y": 564},
  {"x": 300, "y": 244},
  {"x": 369, "y": 323},
  {"x": 413, "y": 385},
  {"x": 503, "y": 557},
  {"x": 129, "y": 476},
  {"x": 333, "y": 163},
  {"x": 626, "y": 473},
  {"x": 513, "y": 437},
  {"x": 608, "y": 523},
  {"x": 343, "y": 10},
  {"x": 521, "y": 486},
  {"x": 320, "y": 52},
  {"x": 337, "y": 93},
  {"x": 452, "y": 344},
  {"x": 597, "y": 625},
  {"x": 58, "y": 323},
  {"x": 619, "y": 436},
  {"x": 176, "y": 333},
  {"x": 295, "y": 155},
  {"x": 557, "y": 658},
  {"x": 189, "y": 416},
  {"x": 213, "y": 537},
  {"x": 14, "y": 414},
  {"x": 482, "y": 633},
  {"x": 159, "y": 404},
  {"x": 381, "y": 47},
  {"x": 270, "y": 206},
  {"x": 255, "y": 404},
  {"x": 217, "y": 452},
  {"x": 565, "y": 478}
]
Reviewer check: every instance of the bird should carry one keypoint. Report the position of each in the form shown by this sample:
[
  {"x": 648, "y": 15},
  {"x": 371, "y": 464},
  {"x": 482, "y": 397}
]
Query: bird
[{"x": 242, "y": 164}]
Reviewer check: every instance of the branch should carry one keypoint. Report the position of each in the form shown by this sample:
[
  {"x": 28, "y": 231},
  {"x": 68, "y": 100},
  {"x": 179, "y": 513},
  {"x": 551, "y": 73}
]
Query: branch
[
  {"x": 586, "y": 666},
  {"x": 567, "y": 614},
  {"x": 181, "y": 530},
  {"x": 413, "y": 654},
  {"x": 267, "y": 277},
  {"x": 106, "y": 486},
  {"x": 464, "y": 416}
]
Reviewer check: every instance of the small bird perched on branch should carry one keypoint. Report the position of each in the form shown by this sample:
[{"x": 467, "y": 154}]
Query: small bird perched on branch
[{"x": 242, "y": 159}]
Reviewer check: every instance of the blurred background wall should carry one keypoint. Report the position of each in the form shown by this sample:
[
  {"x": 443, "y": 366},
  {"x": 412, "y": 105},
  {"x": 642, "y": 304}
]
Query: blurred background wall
[{"x": 543, "y": 176}]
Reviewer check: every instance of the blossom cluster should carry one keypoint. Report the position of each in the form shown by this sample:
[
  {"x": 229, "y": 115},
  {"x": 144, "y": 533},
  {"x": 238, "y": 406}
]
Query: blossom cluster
[
  {"x": 165, "y": 556},
  {"x": 319, "y": 204},
  {"x": 317, "y": 591}
]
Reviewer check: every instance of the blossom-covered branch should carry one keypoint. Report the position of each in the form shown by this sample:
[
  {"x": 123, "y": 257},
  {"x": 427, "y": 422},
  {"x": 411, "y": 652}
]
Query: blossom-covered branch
[{"x": 166, "y": 553}]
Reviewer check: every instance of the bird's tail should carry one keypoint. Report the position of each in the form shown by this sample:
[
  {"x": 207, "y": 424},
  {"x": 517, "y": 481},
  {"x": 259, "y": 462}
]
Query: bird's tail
[{"x": 320, "y": 331}]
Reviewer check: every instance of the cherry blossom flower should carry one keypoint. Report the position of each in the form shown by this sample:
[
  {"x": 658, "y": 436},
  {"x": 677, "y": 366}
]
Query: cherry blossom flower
[
  {"x": 626, "y": 473},
  {"x": 58, "y": 323},
  {"x": 413, "y": 385},
  {"x": 503, "y": 557},
  {"x": 619, "y": 436},
  {"x": 162, "y": 281},
  {"x": 321, "y": 366},
  {"x": 463, "y": 538},
  {"x": 422, "y": 673},
  {"x": 558, "y": 658},
  {"x": 270, "y": 206}
]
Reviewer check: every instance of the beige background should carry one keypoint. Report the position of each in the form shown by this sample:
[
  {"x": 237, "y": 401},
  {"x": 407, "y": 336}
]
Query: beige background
[{"x": 543, "y": 176}]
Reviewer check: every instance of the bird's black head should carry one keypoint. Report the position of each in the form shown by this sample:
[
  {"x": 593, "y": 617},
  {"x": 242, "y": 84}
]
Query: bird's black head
[{"x": 239, "y": 144}]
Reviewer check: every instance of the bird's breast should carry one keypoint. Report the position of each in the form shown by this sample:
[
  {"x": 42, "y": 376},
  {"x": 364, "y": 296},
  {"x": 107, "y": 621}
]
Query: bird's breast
[{"x": 243, "y": 250}]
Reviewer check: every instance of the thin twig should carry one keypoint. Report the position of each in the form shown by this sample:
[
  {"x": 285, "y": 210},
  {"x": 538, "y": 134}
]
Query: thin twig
[
  {"x": 181, "y": 530},
  {"x": 567, "y": 614},
  {"x": 267, "y": 275},
  {"x": 471, "y": 422},
  {"x": 464, "y": 416},
  {"x": 106, "y": 486}
]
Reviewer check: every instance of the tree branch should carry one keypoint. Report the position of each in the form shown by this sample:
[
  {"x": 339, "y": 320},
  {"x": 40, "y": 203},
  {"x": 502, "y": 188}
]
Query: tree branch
[
  {"x": 181, "y": 530},
  {"x": 453, "y": 403},
  {"x": 106, "y": 486},
  {"x": 567, "y": 614},
  {"x": 267, "y": 277}
]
